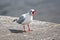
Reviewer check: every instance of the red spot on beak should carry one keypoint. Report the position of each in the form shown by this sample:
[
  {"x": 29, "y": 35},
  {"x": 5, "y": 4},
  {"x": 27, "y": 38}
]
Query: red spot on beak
[{"x": 33, "y": 13}]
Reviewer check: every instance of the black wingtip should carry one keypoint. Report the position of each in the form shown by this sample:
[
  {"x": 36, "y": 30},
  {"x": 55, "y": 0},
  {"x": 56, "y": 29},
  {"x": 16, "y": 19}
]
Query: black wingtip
[{"x": 14, "y": 20}]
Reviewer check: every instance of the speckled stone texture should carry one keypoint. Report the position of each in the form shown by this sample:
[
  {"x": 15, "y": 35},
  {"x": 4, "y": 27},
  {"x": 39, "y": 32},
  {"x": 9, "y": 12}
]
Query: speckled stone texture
[{"x": 41, "y": 30}]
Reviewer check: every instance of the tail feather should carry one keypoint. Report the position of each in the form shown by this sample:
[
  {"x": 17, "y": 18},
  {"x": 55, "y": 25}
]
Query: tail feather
[{"x": 14, "y": 20}]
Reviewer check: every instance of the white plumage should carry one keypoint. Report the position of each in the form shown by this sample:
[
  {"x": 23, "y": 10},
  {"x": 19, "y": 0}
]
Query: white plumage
[{"x": 26, "y": 19}]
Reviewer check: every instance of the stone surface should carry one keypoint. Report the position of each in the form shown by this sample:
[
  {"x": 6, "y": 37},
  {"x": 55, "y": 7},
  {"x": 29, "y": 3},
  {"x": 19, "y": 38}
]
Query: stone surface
[{"x": 41, "y": 30}]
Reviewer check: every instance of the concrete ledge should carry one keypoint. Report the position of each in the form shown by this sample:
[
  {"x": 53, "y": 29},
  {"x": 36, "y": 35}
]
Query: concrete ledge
[{"x": 41, "y": 30}]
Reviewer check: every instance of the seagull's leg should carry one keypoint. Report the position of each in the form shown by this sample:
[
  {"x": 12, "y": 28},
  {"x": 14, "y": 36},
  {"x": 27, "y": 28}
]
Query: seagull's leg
[
  {"x": 29, "y": 28},
  {"x": 24, "y": 29}
]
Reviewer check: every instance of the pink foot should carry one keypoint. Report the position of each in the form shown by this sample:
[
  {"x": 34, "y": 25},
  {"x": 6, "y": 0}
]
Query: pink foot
[{"x": 30, "y": 30}]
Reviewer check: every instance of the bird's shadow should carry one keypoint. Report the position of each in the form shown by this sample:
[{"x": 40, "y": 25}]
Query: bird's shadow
[{"x": 16, "y": 31}]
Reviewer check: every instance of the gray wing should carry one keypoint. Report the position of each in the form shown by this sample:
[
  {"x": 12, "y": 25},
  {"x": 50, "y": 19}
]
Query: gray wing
[{"x": 21, "y": 19}]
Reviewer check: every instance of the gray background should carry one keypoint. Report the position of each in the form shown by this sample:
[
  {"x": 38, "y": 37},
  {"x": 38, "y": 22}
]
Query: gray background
[{"x": 47, "y": 10}]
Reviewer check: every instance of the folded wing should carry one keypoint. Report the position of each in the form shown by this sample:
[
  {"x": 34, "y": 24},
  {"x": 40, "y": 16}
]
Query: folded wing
[{"x": 21, "y": 20}]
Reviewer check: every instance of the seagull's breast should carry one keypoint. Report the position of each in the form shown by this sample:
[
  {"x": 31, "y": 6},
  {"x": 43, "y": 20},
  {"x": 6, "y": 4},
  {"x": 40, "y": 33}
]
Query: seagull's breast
[{"x": 28, "y": 19}]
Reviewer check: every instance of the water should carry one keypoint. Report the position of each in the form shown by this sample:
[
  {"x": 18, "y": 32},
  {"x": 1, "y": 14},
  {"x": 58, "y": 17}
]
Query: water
[{"x": 47, "y": 10}]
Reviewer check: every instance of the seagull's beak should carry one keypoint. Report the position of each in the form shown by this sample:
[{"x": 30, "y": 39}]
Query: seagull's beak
[{"x": 33, "y": 13}]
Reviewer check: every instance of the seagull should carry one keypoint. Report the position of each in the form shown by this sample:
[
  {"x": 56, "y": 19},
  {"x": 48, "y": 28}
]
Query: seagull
[{"x": 26, "y": 19}]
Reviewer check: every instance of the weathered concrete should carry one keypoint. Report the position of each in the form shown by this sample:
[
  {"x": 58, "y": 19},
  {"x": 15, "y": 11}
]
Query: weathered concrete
[{"x": 41, "y": 30}]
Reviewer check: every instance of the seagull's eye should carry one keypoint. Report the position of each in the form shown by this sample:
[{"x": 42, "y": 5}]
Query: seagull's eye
[{"x": 33, "y": 12}]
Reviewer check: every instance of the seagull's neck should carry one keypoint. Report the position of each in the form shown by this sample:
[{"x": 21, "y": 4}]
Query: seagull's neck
[{"x": 29, "y": 14}]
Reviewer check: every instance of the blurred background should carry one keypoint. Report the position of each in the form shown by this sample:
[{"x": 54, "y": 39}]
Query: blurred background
[{"x": 47, "y": 10}]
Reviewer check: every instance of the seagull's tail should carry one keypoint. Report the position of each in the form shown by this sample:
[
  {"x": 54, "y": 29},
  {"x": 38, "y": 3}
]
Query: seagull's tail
[{"x": 14, "y": 20}]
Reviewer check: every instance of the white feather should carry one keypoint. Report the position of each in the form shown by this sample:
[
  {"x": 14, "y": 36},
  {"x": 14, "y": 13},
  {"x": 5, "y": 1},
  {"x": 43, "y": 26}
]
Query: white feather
[{"x": 28, "y": 19}]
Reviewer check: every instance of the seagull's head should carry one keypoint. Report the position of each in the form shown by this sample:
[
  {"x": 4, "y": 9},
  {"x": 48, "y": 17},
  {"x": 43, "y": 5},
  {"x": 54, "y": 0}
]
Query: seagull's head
[{"x": 33, "y": 12}]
